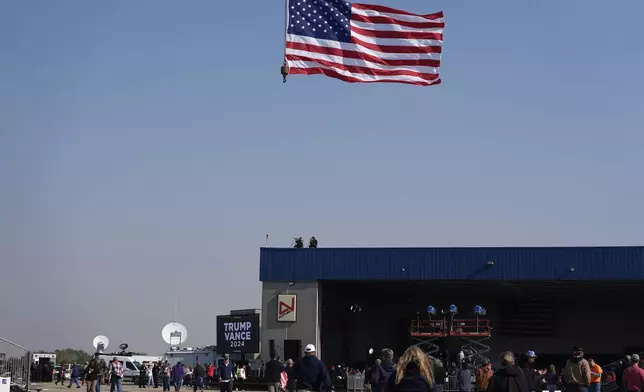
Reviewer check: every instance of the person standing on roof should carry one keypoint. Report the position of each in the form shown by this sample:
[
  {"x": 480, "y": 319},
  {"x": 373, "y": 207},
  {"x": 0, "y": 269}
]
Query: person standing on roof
[
  {"x": 311, "y": 373},
  {"x": 577, "y": 372}
]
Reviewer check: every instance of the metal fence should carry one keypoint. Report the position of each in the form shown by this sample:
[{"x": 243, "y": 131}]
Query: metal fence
[
  {"x": 15, "y": 362},
  {"x": 355, "y": 382}
]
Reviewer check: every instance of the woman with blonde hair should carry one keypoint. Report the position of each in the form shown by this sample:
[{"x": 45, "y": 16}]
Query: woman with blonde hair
[{"x": 413, "y": 373}]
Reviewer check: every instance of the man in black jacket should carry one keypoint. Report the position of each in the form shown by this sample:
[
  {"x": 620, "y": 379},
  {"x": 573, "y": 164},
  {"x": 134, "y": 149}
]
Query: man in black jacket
[
  {"x": 385, "y": 370},
  {"x": 310, "y": 372},
  {"x": 508, "y": 378},
  {"x": 198, "y": 374},
  {"x": 439, "y": 374},
  {"x": 291, "y": 383},
  {"x": 273, "y": 374},
  {"x": 532, "y": 376}
]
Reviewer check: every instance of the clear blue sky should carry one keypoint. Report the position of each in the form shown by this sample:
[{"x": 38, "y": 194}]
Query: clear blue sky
[{"x": 146, "y": 148}]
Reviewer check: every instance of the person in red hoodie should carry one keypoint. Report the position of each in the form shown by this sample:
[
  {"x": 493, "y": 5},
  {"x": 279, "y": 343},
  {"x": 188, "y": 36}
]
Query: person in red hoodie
[
  {"x": 634, "y": 376},
  {"x": 210, "y": 374}
]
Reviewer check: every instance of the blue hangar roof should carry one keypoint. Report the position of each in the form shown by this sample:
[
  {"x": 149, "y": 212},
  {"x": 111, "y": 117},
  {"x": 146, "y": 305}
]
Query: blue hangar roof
[{"x": 549, "y": 263}]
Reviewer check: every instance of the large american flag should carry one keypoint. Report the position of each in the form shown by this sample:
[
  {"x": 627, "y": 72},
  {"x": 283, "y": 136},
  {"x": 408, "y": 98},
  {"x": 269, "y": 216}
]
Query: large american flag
[{"x": 362, "y": 43}]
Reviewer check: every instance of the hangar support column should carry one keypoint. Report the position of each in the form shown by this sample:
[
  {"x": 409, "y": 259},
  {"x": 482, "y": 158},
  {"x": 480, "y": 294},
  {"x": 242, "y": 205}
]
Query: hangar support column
[{"x": 306, "y": 326}]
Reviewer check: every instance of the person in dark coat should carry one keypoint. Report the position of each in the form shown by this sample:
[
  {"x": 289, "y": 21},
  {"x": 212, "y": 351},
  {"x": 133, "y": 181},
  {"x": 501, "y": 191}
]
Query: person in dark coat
[
  {"x": 273, "y": 374},
  {"x": 143, "y": 377},
  {"x": 226, "y": 371},
  {"x": 531, "y": 374},
  {"x": 439, "y": 374},
  {"x": 412, "y": 374},
  {"x": 291, "y": 383},
  {"x": 464, "y": 378},
  {"x": 156, "y": 370},
  {"x": 384, "y": 370},
  {"x": 508, "y": 378},
  {"x": 372, "y": 374},
  {"x": 198, "y": 374},
  {"x": 310, "y": 372}
]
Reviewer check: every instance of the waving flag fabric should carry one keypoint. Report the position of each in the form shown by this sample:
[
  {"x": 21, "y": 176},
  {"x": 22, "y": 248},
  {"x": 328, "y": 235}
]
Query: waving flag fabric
[{"x": 362, "y": 43}]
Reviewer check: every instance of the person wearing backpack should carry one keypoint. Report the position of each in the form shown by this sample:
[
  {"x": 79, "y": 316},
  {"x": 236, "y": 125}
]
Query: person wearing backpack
[{"x": 92, "y": 372}]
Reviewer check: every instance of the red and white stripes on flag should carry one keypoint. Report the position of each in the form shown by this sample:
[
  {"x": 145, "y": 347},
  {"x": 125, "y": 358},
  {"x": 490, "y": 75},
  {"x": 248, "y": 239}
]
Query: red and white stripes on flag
[{"x": 384, "y": 45}]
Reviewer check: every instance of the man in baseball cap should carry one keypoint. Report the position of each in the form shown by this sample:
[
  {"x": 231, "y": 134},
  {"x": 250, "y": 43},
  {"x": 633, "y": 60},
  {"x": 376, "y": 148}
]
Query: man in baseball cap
[
  {"x": 531, "y": 374},
  {"x": 311, "y": 373}
]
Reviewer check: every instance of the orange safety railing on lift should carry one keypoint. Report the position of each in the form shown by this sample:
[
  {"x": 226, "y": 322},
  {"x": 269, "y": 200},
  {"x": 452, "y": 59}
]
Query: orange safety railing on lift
[
  {"x": 471, "y": 328},
  {"x": 428, "y": 328}
]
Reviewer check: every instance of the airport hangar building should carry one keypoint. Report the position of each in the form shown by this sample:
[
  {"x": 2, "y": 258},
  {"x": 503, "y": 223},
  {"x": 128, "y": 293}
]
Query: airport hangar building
[{"x": 547, "y": 299}]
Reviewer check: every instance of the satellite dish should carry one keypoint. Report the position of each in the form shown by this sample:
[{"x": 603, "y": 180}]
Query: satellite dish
[
  {"x": 174, "y": 334},
  {"x": 123, "y": 346},
  {"x": 100, "y": 343}
]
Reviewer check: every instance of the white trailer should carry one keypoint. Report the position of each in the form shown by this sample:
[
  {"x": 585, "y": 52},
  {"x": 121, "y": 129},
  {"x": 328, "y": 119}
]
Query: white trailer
[{"x": 44, "y": 358}]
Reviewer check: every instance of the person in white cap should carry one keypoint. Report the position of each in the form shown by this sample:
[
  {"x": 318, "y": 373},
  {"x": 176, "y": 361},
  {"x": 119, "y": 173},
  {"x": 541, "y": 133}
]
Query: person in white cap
[{"x": 311, "y": 373}]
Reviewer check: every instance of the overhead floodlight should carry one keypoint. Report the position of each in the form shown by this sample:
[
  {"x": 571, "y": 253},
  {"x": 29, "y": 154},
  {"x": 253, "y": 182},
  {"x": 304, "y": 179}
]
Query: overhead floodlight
[
  {"x": 431, "y": 310},
  {"x": 355, "y": 308},
  {"x": 479, "y": 310},
  {"x": 453, "y": 310}
]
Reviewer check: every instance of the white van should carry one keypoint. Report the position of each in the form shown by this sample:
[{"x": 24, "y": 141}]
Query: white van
[{"x": 130, "y": 366}]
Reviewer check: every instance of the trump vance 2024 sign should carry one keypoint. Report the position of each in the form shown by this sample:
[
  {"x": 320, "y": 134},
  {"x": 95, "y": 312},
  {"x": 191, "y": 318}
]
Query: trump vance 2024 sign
[{"x": 238, "y": 334}]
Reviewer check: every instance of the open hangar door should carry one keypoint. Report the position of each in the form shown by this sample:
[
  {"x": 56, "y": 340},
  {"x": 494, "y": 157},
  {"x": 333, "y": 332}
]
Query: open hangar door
[{"x": 547, "y": 317}]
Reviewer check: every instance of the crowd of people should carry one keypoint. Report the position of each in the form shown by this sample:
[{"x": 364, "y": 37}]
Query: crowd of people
[
  {"x": 415, "y": 371},
  {"x": 197, "y": 377}
]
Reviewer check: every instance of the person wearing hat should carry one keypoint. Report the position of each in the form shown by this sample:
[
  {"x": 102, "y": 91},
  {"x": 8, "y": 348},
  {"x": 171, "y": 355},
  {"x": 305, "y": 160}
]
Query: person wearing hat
[
  {"x": 532, "y": 376},
  {"x": 226, "y": 371},
  {"x": 577, "y": 372},
  {"x": 311, "y": 373}
]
